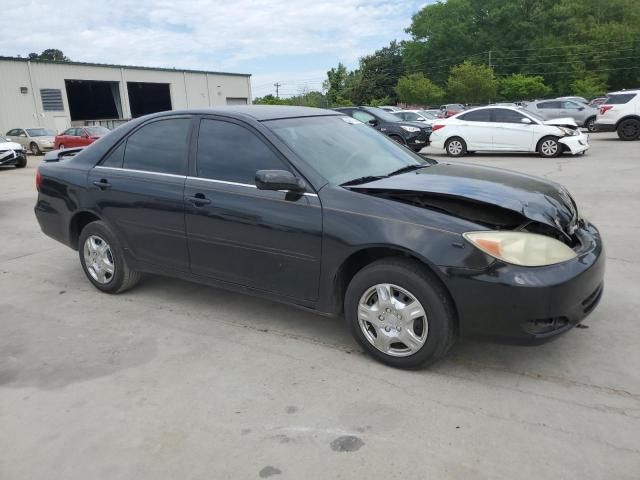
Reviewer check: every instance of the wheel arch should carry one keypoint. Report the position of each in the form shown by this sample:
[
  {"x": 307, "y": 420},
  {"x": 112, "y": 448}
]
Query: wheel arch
[
  {"x": 631, "y": 116},
  {"x": 77, "y": 223},
  {"x": 366, "y": 255}
]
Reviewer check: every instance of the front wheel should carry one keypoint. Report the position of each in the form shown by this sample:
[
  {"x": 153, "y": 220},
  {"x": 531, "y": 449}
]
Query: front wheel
[
  {"x": 629, "y": 129},
  {"x": 591, "y": 125},
  {"x": 399, "y": 313},
  {"x": 35, "y": 150},
  {"x": 22, "y": 162},
  {"x": 103, "y": 261},
  {"x": 549, "y": 147},
  {"x": 455, "y": 147}
]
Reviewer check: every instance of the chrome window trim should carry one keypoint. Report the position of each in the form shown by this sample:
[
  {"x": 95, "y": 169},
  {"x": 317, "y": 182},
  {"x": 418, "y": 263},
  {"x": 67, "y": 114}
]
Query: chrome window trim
[{"x": 186, "y": 177}]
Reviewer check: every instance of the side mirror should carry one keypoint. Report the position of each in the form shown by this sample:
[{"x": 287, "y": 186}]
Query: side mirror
[
  {"x": 279, "y": 180},
  {"x": 580, "y": 108},
  {"x": 526, "y": 120},
  {"x": 372, "y": 123}
]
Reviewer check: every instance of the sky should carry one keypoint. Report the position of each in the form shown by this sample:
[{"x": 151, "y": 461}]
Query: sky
[{"x": 293, "y": 42}]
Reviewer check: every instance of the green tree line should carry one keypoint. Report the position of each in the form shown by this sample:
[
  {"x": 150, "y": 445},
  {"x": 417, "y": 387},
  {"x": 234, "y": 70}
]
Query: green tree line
[{"x": 476, "y": 51}]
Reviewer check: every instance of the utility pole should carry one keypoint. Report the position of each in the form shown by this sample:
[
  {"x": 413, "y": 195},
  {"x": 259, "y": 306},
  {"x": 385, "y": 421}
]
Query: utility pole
[
  {"x": 490, "y": 66},
  {"x": 277, "y": 85}
]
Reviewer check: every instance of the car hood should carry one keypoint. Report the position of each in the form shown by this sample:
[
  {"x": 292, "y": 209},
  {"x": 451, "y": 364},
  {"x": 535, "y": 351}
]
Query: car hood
[
  {"x": 10, "y": 146},
  {"x": 533, "y": 198},
  {"x": 562, "y": 122}
]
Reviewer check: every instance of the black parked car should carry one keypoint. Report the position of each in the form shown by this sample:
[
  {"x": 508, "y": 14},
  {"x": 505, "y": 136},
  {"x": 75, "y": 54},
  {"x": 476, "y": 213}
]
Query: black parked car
[
  {"x": 414, "y": 135},
  {"x": 313, "y": 208}
]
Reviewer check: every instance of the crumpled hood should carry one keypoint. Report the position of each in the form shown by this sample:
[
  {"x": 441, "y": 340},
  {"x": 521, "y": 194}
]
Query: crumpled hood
[
  {"x": 534, "y": 198},
  {"x": 10, "y": 146},
  {"x": 561, "y": 122}
]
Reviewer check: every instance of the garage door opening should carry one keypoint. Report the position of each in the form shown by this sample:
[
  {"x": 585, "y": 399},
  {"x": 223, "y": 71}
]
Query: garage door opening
[
  {"x": 92, "y": 99},
  {"x": 145, "y": 98}
]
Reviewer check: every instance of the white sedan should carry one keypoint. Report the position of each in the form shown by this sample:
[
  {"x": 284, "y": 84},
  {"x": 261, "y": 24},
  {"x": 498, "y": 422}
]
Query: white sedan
[{"x": 507, "y": 129}]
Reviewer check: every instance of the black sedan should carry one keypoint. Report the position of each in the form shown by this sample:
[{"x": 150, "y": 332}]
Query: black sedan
[
  {"x": 414, "y": 135},
  {"x": 313, "y": 208}
]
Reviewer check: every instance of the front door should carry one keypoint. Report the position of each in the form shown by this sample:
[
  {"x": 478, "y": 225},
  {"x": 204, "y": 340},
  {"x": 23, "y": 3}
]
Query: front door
[
  {"x": 266, "y": 240},
  {"x": 510, "y": 133},
  {"x": 139, "y": 191}
]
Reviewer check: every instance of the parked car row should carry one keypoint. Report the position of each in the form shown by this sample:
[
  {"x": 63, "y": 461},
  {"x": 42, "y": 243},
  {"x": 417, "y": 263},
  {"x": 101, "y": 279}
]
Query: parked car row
[{"x": 38, "y": 140}]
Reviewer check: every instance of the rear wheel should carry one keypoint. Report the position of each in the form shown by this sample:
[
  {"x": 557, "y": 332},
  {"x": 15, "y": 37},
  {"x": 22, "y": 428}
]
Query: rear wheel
[
  {"x": 629, "y": 129},
  {"x": 590, "y": 125},
  {"x": 399, "y": 313},
  {"x": 549, "y": 147},
  {"x": 103, "y": 261},
  {"x": 35, "y": 150},
  {"x": 455, "y": 147}
]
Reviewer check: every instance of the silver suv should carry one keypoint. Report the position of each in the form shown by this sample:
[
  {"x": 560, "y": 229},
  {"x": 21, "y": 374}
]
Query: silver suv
[
  {"x": 620, "y": 112},
  {"x": 584, "y": 115}
]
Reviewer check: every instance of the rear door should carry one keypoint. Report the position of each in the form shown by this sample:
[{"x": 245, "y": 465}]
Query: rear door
[
  {"x": 139, "y": 190},
  {"x": 476, "y": 129},
  {"x": 551, "y": 109},
  {"x": 266, "y": 240},
  {"x": 510, "y": 133}
]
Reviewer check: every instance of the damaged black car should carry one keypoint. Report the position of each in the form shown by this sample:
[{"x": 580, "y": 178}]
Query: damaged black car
[{"x": 315, "y": 209}]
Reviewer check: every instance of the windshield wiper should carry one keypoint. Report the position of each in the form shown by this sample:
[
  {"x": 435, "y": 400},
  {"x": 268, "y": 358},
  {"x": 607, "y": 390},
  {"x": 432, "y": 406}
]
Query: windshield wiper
[
  {"x": 365, "y": 179},
  {"x": 408, "y": 168}
]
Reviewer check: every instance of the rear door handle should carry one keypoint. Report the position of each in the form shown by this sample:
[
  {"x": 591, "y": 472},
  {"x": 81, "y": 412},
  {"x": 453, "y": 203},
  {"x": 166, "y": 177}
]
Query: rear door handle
[
  {"x": 102, "y": 184},
  {"x": 198, "y": 200}
]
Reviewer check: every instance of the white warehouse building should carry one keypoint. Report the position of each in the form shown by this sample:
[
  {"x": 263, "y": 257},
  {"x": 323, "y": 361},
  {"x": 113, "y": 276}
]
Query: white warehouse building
[{"x": 59, "y": 95}]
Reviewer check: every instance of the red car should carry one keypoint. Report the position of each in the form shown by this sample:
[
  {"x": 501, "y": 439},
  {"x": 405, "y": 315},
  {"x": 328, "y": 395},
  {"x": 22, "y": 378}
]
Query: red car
[
  {"x": 78, "y": 137},
  {"x": 450, "y": 109}
]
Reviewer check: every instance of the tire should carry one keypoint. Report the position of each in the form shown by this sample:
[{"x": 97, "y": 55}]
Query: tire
[
  {"x": 629, "y": 129},
  {"x": 35, "y": 149},
  {"x": 121, "y": 277},
  {"x": 402, "y": 275},
  {"x": 455, "y": 147},
  {"x": 22, "y": 163},
  {"x": 549, "y": 147},
  {"x": 590, "y": 125}
]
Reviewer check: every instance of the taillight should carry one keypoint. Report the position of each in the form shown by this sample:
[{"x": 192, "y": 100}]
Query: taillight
[
  {"x": 438, "y": 126},
  {"x": 38, "y": 180},
  {"x": 605, "y": 108}
]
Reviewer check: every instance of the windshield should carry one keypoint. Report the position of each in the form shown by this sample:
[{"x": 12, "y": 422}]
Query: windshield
[
  {"x": 342, "y": 149},
  {"x": 540, "y": 118},
  {"x": 97, "y": 130},
  {"x": 382, "y": 114},
  {"x": 40, "y": 132},
  {"x": 427, "y": 114}
]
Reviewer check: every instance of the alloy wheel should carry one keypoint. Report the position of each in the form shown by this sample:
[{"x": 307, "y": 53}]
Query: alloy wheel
[
  {"x": 455, "y": 147},
  {"x": 392, "y": 320},
  {"x": 549, "y": 148},
  {"x": 98, "y": 259},
  {"x": 631, "y": 129}
]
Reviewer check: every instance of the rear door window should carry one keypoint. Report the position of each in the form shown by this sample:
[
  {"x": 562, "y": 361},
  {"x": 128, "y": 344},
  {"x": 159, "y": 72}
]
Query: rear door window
[
  {"x": 159, "y": 146},
  {"x": 543, "y": 105},
  {"x": 619, "y": 99},
  {"x": 477, "y": 116},
  {"x": 503, "y": 115}
]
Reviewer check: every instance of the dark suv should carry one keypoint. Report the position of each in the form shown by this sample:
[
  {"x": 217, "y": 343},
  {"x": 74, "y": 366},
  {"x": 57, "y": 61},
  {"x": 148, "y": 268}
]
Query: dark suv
[{"x": 414, "y": 135}]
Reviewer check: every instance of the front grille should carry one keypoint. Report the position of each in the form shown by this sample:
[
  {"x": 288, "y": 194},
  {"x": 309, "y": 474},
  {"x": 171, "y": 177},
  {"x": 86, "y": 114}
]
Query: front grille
[{"x": 543, "y": 326}]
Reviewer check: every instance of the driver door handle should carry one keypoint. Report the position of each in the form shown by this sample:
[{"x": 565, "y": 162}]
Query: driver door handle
[
  {"x": 198, "y": 200},
  {"x": 102, "y": 184}
]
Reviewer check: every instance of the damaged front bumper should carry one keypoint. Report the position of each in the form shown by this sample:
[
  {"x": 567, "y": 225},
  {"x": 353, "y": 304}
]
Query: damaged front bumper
[
  {"x": 575, "y": 144},
  {"x": 12, "y": 157},
  {"x": 530, "y": 305}
]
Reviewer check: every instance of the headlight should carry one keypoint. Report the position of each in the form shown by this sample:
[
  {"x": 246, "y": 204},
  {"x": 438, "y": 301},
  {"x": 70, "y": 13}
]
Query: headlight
[
  {"x": 520, "y": 248},
  {"x": 410, "y": 129},
  {"x": 568, "y": 131}
]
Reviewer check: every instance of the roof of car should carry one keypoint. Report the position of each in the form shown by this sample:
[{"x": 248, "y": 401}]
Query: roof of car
[
  {"x": 266, "y": 112},
  {"x": 624, "y": 91}
]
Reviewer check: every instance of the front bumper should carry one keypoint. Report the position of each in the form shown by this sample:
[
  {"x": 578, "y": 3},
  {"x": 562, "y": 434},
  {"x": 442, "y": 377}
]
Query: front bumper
[
  {"x": 12, "y": 157},
  {"x": 576, "y": 144},
  {"x": 531, "y": 305},
  {"x": 419, "y": 140}
]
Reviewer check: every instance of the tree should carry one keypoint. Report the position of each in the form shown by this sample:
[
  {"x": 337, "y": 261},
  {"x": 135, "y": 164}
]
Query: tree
[
  {"x": 270, "y": 100},
  {"x": 377, "y": 75},
  {"x": 417, "y": 89},
  {"x": 589, "y": 87},
  {"x": 471, "y": 83},
  {"x": 520, "y": 87},
  {"x": 52, "y": 54},
  {"x": 335, "y": 83}
]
